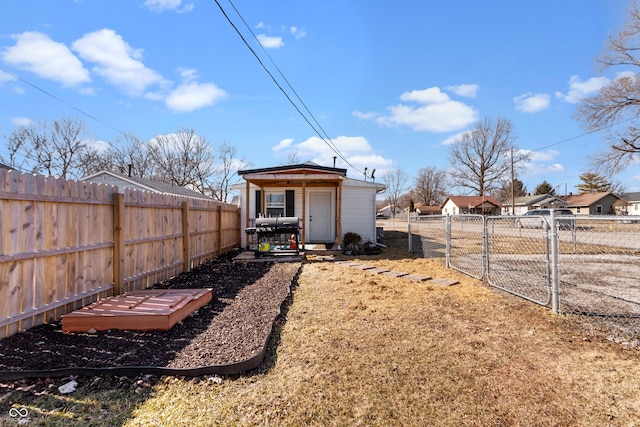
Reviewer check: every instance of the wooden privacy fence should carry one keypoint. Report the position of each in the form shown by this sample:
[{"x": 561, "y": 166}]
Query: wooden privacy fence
[{"x": 65, "y": 244}]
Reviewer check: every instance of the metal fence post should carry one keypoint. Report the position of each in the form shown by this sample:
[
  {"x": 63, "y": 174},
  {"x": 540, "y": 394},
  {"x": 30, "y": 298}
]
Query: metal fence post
[
  {"x": 485, "y": 247},
  {"x": 555, "y": 279},
  {"x": 409, "y": 233},
  {"x": 448, "y": 241}
]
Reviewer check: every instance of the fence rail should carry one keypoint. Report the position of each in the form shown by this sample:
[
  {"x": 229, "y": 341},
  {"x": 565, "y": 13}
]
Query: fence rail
[
  {"x": 64, "y": 244},
  {"x": 586, "y": 266}
]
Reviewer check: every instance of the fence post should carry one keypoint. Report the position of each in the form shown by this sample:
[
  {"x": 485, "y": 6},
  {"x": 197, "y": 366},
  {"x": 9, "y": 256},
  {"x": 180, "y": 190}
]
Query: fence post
[
  {"x": 219, "y": 229},
  {"x": 485, "y": 247},
  {"x": 448, "y": 241},
  {"x": 555, "y": 279},
  {"x": 118, "y": 242},
  {"x": 409, "y": 233},
  {"x": 186, "y": 240}
]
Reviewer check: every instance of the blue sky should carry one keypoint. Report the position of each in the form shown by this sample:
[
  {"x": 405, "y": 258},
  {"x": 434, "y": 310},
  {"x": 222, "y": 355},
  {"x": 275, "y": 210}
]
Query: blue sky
[{"x": 391, "y": 83}]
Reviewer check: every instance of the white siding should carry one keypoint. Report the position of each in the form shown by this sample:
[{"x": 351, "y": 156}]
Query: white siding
[
  {"x": 450, "y": 208},
  {"x": 359, "y": 212}
]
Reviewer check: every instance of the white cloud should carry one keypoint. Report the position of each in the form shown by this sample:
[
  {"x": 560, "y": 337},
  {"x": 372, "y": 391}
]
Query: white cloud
[
  {"x": 468, "y": 90},
  {"x": 21, "y": 121},
  {"x": 542, "y": 162},
  {"x": 284, "y": 144},
  {"x": 356, "y": 149},
  {"x": 6, "y": 77},
  {"x": 297, "y": 32},
  {"x": 117, "y": 62},
  {"x": 541, "y": 156},
  {"x": 432, "y": 95},
  {"x": 441, "y": 117},
  {"x": 440, "y": 114},
  {"x": 192, "y": 96},
  {"x": 364, "y": 116},
  {"x": 530, "y": 103},
  {"x": 555, "y": 167},
  {"x": 453, "y": 138},
  {"x": 162, "y": 5},
  {"x": 98, "y": 144},
  {"x": 38, "y": 54},
  {"x": 269, "y": 42},
  {"x": 579, "y": 89}
]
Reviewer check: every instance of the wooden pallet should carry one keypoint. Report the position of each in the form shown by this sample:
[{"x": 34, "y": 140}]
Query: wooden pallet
[{"x": 149, "y": 309}]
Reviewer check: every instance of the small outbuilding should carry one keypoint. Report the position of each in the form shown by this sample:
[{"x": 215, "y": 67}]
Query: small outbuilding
[{"x": 327, "y": 202}]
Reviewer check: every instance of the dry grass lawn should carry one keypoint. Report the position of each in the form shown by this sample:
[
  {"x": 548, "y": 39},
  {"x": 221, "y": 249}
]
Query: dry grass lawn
[{"x": 363, "y": 349}]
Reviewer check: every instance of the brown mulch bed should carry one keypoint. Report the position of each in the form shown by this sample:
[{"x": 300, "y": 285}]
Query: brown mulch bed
[{"x": 231, "y": 328}]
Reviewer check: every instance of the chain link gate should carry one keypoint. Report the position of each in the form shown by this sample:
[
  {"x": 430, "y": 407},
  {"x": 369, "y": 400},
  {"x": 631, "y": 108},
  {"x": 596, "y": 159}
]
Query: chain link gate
[
  {"x": 519, "y": 259},
  {"x": 466, "y": 244}
]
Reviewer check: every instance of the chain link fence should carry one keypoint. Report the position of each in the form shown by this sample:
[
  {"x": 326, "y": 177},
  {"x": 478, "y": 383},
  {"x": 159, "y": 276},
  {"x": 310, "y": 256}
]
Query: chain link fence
[{"x": 584, "y": 266}]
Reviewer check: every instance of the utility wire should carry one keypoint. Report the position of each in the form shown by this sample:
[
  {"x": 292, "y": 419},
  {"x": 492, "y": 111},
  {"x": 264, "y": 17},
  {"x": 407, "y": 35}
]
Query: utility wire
[
  {"x": 287, "y": 81},
  {"x": 64, "y": 102},
  {"x": 330, "y": 145}
]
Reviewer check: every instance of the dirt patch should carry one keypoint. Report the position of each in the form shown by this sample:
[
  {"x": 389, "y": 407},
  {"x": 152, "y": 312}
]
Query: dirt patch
[{"x": 231, "y": 328}]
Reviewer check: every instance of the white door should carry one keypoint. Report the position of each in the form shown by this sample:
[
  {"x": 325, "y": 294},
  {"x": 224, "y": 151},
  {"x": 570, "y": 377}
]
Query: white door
[{"x": 320, "y": 224}]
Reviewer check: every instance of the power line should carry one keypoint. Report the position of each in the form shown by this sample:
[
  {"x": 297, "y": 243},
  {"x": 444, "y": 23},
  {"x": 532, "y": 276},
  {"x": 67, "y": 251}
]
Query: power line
[
  {"x": 330, "y": 145},
  {"x": 286, "y": 80},
  {"x": 584, "y": 134},
  {"x": 64, "y": 102}
]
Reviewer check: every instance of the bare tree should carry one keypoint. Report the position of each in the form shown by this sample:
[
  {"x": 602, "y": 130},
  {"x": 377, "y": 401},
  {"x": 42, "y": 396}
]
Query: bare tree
[
  {"x": 483, "y": 156},
  {"x": 52, "y": 149},
  {"x": 616, "y": 107},
  {"x": 182, "y": 159},
  {"x": 15, "y": 143},
  {"x": 225, "y": 174},
  {"x": 505, "y": 191},
  {"x": 430, "y": 186},
  {"x": 395, "y": 182}
]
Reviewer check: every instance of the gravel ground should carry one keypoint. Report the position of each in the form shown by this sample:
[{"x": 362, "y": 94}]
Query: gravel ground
[{"x": 233, "y": 327}]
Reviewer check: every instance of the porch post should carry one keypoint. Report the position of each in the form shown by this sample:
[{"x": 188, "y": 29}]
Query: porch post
[
  {"x": 247, "y": 221},
  {"x": 304, "y": 212},
  {"x": 339, "y": 214}
]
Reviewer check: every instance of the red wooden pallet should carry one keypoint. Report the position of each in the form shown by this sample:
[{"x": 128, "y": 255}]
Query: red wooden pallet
[{"x": 143, "y": 310}]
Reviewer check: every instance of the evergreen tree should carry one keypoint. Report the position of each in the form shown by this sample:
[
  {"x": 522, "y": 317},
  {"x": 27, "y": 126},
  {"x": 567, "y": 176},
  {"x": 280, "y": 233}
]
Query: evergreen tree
[
  {"x": 544, "y": 188},
  {"x": 593, "y": 183}
]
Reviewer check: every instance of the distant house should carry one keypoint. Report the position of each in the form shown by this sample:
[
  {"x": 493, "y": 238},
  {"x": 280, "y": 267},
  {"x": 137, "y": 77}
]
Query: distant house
[
  {"x": 485, "y": 205},
  {"x": 593, "y": 203},
  {"x": 524, "y": 204},
  {"x": 632, "y": 203},
  {"x": 387, "y": 212},
  {"x": 427, "y": 210},
  {"x": 137, "y": 183}
]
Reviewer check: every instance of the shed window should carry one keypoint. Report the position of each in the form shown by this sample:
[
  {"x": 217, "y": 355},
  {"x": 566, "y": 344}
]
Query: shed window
[
  {"x": 599, "y": 209},
  {"x": 275, "y": 204}
]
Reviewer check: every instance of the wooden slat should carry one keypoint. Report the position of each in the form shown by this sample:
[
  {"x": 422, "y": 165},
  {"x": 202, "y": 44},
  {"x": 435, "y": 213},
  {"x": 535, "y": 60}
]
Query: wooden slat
[
  {"x": 155, "y": 309},
  {"x": 61, "y": 247}
]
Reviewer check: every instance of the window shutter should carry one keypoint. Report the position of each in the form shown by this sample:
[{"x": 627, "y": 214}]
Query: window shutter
[
  {"x": 258, "y": 201},
  {"x": 289, "y": 203}
]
